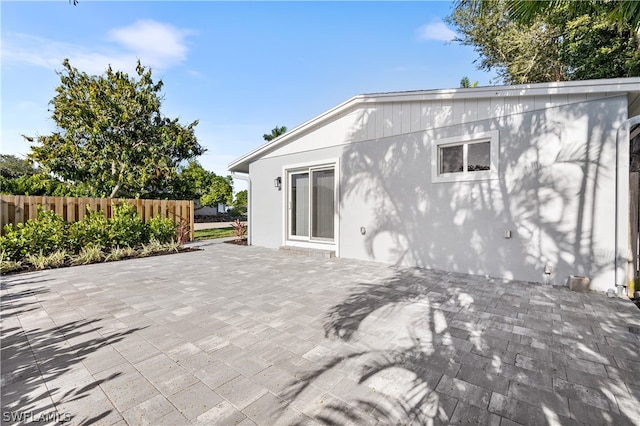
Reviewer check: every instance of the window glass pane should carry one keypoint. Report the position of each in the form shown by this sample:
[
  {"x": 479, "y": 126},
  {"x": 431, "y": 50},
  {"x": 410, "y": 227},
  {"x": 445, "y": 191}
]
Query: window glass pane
[
  {"x": 479, "y": 156},
  {"x": 300, "y": 204},
  {"x": 322, "y": 209},
  {"x": 451, "y": 159}
]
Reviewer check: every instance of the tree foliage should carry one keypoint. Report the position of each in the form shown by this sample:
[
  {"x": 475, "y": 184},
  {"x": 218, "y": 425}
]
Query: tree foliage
[
  {"x": 13, "y": 167},
  {"x": 112, "y": 139},
  {"x": 275, "y": 132},
  {"x": 618, "y": 12},
  {"x": 465, "y": 83},
  {"x": 564, "y": 41},
  {"x": 241, "y": 199},
  {"x": 36, "y": 184},
  {"x": 220, "y": 191},
  {"x": 194, "y": 182}
]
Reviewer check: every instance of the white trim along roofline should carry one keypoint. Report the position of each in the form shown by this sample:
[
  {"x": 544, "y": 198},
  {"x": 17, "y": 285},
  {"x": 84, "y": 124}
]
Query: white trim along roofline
[{"x": 613, "y": 85}]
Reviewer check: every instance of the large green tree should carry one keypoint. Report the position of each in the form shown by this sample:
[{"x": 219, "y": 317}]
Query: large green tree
[
  {"x": 561, "y": 41},
  {"x": 13, "y": 167},
  {"x": 622, "y": 12},
  {"x": 112, "y": 138},
  {"x": 220, "y": 191},
  {"x": 194, "y": 182},
  {"x": 242, "y": 199},
  {"x": 19, "y": 177}
]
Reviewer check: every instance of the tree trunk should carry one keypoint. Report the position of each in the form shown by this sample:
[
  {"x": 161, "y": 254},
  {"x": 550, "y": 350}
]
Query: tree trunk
[{"x": 119, "y": 184}]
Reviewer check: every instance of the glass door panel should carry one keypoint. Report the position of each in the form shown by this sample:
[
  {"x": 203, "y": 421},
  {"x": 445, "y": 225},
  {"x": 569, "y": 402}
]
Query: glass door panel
[
  {"x": 322, "y": 208},
  {"x": 299, "y": 215}
]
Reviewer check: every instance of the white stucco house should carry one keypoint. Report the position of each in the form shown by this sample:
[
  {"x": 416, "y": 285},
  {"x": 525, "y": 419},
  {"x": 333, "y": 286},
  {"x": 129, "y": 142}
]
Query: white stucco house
[{"x": 526, "y": 182}]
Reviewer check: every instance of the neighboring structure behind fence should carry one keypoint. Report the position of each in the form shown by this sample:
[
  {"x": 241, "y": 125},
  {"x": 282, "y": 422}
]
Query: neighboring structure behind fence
[{"x": 16, "y": 209}]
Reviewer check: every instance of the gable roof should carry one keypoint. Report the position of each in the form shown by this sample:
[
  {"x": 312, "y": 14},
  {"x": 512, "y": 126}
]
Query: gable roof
[{"x": 610, "y": 86}]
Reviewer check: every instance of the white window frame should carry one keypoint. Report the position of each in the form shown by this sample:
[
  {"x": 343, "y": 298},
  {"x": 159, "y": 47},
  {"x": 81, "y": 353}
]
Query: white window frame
[
  {"x": 309, "y": 242},
  {"x": 466, "y": 140}
]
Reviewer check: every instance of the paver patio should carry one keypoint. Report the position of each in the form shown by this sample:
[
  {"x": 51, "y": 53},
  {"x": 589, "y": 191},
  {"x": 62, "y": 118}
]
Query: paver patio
[{"x": 246, "y": 335}]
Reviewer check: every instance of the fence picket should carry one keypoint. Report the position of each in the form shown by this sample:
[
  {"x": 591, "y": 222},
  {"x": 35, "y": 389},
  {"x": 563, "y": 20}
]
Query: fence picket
[
  {"x": 19, "y": 203},
  {"x": 59, "y": 206}
]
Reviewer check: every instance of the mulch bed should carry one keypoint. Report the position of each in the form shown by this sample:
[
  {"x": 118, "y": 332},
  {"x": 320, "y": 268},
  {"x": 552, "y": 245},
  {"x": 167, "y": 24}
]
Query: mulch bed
[
  {"x": 242, "y": 242},
  {"x": 69, "y": 264},
  {"x": 219, "y": 218}
]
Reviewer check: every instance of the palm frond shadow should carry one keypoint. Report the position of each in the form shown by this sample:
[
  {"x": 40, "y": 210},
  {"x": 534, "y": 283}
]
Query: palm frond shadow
[
  {"x": 389, "y": 331},
  {"x": 33, "y": 357}
]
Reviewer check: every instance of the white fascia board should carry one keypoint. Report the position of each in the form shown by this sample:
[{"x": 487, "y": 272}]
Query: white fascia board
[
  {"x": 610, "y": 86},
  {"x": 615, "y": 85}
]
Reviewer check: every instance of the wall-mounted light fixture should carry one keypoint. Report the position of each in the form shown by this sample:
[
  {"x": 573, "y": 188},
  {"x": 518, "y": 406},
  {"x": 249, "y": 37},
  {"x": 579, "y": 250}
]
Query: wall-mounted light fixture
[{"x": 277, "y": 182}]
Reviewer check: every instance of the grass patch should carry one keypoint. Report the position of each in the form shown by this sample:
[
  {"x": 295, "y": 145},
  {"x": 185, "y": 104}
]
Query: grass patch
[{"x": 208, "y": 234}]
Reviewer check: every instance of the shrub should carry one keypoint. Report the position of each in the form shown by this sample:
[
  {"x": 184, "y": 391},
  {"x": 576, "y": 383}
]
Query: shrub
[
  {"x": 87, "y": 255},
  {"x": 126, "y": 227},
  {"x": 172, "y": 247},
  {"x": 163, "y": 230},
  {"x": 92, "y": 230},
  {"x": 236, "y": 212},
  {"x": 153, "y": 247},
  {"x": 45, "y": 241},
  {"x": 43, "y": 261},
  {"x": 7, "y": 265},
  {"x": 11, "y": 244},
  {"x": 45, "y": 235},
  {"x": 118, "y": 253},
  {"x": 240, "y": 228},
  {"x": 182, "y": 232}
]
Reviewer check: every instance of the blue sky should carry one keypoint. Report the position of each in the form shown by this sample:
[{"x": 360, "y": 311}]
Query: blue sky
[{"x": 240, "y": 68}]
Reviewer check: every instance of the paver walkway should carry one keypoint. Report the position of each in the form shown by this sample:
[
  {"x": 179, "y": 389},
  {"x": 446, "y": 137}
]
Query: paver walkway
[{"x": 249, "y": 335}]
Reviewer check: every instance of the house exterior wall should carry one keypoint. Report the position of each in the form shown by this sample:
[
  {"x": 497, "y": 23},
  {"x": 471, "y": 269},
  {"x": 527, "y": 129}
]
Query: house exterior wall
[
  {"x": 552, "y": 151},
  {"x": 267, "y": 202},
  {"x": 381, "y": 120}
]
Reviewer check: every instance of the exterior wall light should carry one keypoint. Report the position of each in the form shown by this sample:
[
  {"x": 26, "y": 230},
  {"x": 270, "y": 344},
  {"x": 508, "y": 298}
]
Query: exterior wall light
[{"x": 277, "y": 182}]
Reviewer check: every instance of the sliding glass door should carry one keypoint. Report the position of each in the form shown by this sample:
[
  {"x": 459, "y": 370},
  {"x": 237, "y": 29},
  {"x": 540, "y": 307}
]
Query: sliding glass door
[{"x": 312, "y": 204}]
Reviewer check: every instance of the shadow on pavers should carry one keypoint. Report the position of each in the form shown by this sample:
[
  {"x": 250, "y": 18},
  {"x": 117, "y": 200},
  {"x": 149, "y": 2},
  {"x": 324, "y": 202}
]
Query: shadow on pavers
[
  {"x": 29, "y": 359},
  {"x": 404, "y": 342}
]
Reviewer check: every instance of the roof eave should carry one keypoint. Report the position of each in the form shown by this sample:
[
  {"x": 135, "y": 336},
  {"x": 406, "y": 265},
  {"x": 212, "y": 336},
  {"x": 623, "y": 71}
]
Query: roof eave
[{"x": 619, "y": 85}]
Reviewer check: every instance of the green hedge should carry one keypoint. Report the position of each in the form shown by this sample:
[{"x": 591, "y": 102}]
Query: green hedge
[{"x": 49, "y": 233}]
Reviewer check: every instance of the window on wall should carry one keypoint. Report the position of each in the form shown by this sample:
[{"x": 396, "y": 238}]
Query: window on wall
[
  {"x": 471, "y": 157},
  {"x": 312, "y": 204},
  {"x": 466, "y": 157}
]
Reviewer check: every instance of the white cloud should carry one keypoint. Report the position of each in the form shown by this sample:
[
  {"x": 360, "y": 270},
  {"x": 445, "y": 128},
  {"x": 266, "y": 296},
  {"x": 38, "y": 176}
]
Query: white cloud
[
  {"x": 156, "y": 44},
  {"x": 436, "y": 30}
]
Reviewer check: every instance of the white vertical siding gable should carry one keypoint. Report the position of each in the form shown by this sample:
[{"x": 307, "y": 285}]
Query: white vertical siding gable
[{"x": 375, "y": 120}]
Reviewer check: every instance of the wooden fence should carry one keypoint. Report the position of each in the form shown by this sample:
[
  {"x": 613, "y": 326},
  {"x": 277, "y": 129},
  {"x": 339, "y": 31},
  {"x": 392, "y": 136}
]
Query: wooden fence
[{"x": 16, "y": 209}]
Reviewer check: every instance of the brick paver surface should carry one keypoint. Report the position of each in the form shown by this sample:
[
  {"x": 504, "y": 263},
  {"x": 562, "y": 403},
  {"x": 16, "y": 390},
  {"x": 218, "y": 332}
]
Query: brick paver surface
[{"x": 247, "y": 335}]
